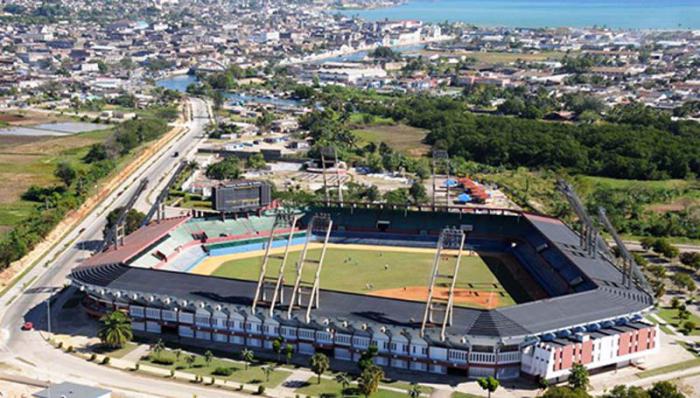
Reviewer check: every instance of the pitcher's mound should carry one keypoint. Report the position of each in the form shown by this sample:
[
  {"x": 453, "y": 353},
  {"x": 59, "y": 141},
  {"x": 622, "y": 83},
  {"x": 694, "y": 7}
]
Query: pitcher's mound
[{"x": 462, "y": 297}]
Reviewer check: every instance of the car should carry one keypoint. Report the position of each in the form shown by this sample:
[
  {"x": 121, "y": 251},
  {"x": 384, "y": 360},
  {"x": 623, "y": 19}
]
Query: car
[{"x": 28, "y": 326}]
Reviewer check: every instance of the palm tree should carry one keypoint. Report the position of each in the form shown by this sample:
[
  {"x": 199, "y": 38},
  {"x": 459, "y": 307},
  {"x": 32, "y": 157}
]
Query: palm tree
[
  {"x": 247, "y": 356},
  {"x": 415, "y": 391},
  {"x": 289, "y": 351},
  {"x": 268, "y": 371},
  {"x": 277, "y": 347},
  {"x": 158, "y": 347},
  {"x": 190, "y": 359},
  {"x": 368, "y": 383},
  {"x": 319, "y": 364},
  {"x": 115, "y": 330},
  {"x": 344, "y": 380}
]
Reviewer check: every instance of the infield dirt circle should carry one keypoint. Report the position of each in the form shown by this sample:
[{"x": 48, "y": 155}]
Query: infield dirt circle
[{"x": 487, "y": 300}]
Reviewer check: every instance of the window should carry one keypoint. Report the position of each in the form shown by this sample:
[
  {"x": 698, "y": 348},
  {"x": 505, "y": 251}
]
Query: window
[
  {"x": 306, "y": 334},
  {"x": 202, "y": 320},
  {"x": 342, "y": 339},
  {"x": 360, "y": 341},
  {"x": 288, "y": 332},
  {"x": 136, "y": 311}
]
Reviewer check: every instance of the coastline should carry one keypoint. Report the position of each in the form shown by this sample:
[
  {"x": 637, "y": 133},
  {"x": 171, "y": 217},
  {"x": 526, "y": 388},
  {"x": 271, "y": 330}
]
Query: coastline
[{"x": 635, "y": 15}]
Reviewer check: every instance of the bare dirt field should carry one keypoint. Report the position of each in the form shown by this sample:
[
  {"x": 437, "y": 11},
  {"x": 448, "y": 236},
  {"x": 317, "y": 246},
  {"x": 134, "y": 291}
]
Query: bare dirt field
[
  {"x": 462, "y": 297},
  {"x": 27, "y": 117}
]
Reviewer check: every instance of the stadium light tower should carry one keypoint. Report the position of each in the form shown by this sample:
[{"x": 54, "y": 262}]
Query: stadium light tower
[
  {"x": 115, "y": 236},
  {"x": 630, "y": 268},
  {"x": 283, "y": 219},
  {"x": 330, "y": 152},
  {"x": 588, "y": 233},
  {"x": 450, "y": 246},
  {"x": 440, "y": 157},
  {"x": 321, "y": 224}
]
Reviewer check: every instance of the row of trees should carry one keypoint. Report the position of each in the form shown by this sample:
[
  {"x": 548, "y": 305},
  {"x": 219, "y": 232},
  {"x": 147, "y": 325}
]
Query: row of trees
[
  {"x": 116, "y": 331},
  {"x": 628, "y": 209},
  {"x": 637, "y": 142}
]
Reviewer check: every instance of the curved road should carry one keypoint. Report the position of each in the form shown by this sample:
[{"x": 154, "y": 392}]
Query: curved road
[{"x": 27, "y": 351}]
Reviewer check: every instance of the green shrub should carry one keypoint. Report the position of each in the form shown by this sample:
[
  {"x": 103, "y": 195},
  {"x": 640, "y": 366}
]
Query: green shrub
[
  {"x": 261, "y": 390},
  {"x": 105, "y": 360},
  {"x": 162, "y": 360},
  {"x": 93, "y": 356},
  {"x": 222, "y": 371}
]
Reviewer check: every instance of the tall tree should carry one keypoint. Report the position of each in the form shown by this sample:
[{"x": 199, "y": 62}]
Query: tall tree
[
  {"x": 277, "y": 347},
  {"x": 415, "y": 390},
  {"x": 489, "y": 384},
  {"x": 226, "y": 169},
  {"x": 344, "y": 380},
  {"x": 289, "y": 352},
  {"x": 66, "y": 173},
  {"x": 368, "y": 383},
  {"x": 247, "y": 356},
  {"x": 319, "y": 364},
  {"x": 578, "y": 377},
  {"x": 115, "y": 330}
]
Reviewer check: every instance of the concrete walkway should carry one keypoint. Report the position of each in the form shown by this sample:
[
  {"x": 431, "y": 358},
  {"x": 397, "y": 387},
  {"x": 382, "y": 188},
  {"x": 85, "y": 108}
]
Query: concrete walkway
[{"x": 136, "y": 355}]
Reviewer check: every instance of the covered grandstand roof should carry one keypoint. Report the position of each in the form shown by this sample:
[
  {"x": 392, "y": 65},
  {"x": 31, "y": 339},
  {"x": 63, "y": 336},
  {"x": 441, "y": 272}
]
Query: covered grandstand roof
[
  {"x": 136, "y": 242},
  {"x": 603, "y": 297}
]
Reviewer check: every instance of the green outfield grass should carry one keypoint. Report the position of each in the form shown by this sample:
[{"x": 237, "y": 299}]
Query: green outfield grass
[{"x": 352, "y": 270}]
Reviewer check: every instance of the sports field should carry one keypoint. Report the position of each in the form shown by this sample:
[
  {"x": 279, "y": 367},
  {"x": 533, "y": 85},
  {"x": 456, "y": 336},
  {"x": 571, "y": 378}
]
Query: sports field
[{"x": 377, "y": 270}]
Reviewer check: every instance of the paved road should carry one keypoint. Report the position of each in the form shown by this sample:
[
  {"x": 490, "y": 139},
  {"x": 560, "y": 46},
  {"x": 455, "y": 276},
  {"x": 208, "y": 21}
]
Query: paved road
[{"x": 27, "y": 350}]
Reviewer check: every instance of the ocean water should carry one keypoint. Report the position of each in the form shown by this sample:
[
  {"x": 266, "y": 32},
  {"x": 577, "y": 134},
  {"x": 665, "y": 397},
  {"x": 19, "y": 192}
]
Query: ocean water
[{"x": 621, "y": 14}]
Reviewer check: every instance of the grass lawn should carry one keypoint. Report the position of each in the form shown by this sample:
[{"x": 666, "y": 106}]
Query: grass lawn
[
  {"x": 458, "y": 394},
  {"x": 691, "y": 363},
  {"x": 26, "y": 162},
  {"x": 670, "y": 315},
  {"x": 119, "y": 352},
  {"x": 352, "y": 270},
  {"x": 400, "y": 137},
  {"x": 626, "y": 184},
  {"x": 253, "y": 375},
  {"x": 312, "y": 388},
  {"x": 664, "y": 328},
  {"x": 404, "y": 386}
]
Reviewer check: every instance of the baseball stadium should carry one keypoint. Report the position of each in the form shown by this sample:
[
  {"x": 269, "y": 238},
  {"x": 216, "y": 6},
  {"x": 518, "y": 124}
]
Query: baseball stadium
[{"x": 471, "y": 291}]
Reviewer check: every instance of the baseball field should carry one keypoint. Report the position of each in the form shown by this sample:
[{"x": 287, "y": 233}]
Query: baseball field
[{"x": 394, "y": 272}]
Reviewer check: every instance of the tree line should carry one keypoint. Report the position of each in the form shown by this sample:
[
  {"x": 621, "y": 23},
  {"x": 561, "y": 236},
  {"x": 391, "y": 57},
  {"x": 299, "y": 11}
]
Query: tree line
[
  {"x": 634, "y": 148},
  {"x": 77, "y": 181}
]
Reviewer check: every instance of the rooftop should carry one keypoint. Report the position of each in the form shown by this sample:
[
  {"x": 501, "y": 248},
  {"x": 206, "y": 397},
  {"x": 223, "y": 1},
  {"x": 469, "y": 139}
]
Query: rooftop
[{"x": 605, "y": 299}]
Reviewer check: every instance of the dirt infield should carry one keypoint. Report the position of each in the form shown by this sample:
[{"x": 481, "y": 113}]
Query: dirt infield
[{"x": 471, "y": 298}]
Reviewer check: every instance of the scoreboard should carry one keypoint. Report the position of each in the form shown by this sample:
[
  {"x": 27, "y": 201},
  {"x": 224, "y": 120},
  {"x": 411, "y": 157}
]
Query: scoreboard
[{"x": 241, "y": 196}]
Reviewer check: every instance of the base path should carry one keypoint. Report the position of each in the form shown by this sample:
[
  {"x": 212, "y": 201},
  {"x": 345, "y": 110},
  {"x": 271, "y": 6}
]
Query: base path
[{"x": 487, "y": 300}]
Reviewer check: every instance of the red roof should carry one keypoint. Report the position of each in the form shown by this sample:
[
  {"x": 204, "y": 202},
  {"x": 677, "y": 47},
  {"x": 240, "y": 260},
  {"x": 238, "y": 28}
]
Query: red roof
[{"x": 136, "y": 242}]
